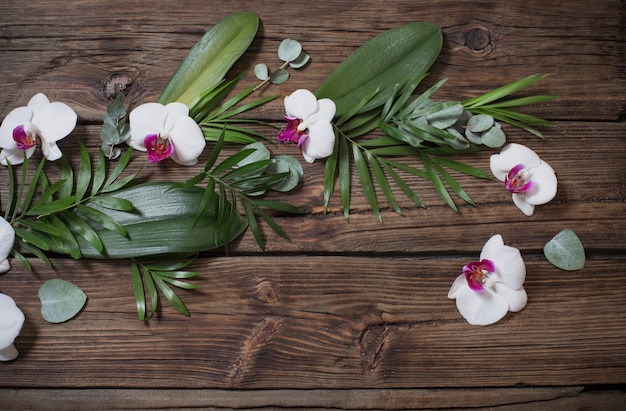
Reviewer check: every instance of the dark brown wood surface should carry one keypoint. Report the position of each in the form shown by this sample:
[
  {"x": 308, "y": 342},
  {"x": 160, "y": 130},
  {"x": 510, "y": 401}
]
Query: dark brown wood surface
[{"x": 348, "y": 315}]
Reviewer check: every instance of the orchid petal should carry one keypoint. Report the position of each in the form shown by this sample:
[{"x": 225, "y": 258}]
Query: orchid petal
[
  {"x": 320, "y": 143},
  {"x": 325, "y": 111},
  {"x": 7, "y": 239},
  {"x": 520, "y": 201},
  {"x": 301, "y": 103},
  {"x": 174, "y": 110},
  {"x": 459, "y": 283},
  {"x": 146, "y": 119},
  {"x": 51, "y": 151},
  {"x": 481, "y": 308},
  {"x": 497, "y": 171},
  {"x": 544, "y": 185},
  {"x": 492, "y": 247},
  {"x": 54, "y": 121},
  {"x": 188, "y": 141},
  {"x": 509, "y": 264},
  {"x": 17, "y": 117},
  {"x": 514, "y": 154},
  {"x": 38, "y": 101},
  {"x": 15, "y": 156},
  {"x": 516, "y": 298},
  {"x": 11, "y": 322}
]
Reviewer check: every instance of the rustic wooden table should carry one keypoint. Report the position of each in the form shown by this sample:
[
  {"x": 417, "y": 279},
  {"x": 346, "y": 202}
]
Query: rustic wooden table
[{"x": 348, "y": 315}]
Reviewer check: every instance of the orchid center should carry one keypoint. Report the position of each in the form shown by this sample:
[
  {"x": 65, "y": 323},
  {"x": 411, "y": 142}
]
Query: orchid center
[
  {"x": 25, "y": 137},
  {"x": 480, "y": 274},
  {"x": 518, "y": 179},
  {"x": 159, "y": 147},
  {"x": 295, "y": 130}
]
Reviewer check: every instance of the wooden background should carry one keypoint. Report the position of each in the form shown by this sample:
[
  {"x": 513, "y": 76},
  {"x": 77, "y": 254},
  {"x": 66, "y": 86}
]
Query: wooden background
[{"x": 349, "y": 315}]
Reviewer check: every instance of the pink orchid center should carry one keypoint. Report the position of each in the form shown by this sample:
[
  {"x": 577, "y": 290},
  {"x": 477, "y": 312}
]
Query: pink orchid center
[
  {"x": 294, "y": 132},
  {"x": 24, "y": 139},
  {"x": 518, "y": 179},
  {"x": 159, "y": 148},
  {"x": 480, "y": 274}
]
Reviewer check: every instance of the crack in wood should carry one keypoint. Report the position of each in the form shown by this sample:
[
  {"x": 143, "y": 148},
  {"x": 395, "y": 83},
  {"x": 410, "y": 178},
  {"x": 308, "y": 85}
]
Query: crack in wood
[
  {"x": 372, "y": 347},
  {"x": 260, "y": 336}
]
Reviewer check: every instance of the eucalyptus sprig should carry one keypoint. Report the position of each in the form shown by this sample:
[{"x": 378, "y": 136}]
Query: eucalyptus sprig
[
  {"x": 115, "y": 128},
  {"x": 291, "y": 53},
  {"x": 374, "y": 89}
]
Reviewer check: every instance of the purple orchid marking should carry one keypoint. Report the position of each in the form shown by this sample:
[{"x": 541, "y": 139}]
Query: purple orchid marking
[
  {"x": 158, "y": 148},
  {"x": 22, "y": 139},
  {"x": 518, "y": 180},
  {"x": 477, "y": 273}
]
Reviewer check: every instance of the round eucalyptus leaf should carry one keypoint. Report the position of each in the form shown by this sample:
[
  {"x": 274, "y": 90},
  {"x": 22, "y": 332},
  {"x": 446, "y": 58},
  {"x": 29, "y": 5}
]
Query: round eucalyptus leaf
[
  {"x": 283, "y": 164},
  {"x": 261, "y": 152},
  {"x": 565, "y": 251},
  {"x": 289, "y": 50},
  {"x": 473, "y": 137},
  {"x": 60, "y": 300},
  {"x": 279, "y": 76},
  {"x": 261, "y": 71},
  {"x": 480, "y": 123},
  {"x": 494, "y": 137},
  {"x": 301, "y": 61},
  {"x": 446, "y": 114}
]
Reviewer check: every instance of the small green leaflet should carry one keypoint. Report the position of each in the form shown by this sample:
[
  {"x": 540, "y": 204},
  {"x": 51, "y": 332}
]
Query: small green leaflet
[
  {"x": 565, "y": 251},
  {"x": 60, "y": 300}
]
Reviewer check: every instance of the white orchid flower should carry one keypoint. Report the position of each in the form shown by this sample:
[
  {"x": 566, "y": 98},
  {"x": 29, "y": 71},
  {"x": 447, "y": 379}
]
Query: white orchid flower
[
  {"x": 491, "y": 287},
  {"x": 11, "y": 322},
  {"x": 7, "y": 238},
  {"x": 530, "y": 179},
  {"x": 40, "y": 122},
  {"x": 309, "y": 124},
  {"x": 166, "y": 131}
]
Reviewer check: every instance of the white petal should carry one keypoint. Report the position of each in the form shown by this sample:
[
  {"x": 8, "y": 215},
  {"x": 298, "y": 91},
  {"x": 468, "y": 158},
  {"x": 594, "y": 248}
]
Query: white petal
[
  {"x": 458, "y": 283},
  {"x": 144, "y": 120},
  {"x": 325, "y": 111},
  {"x": 514, "y": 154},
  {"x": 320, "y": 143},
  {"x": 301, "y": 104},
  {"x": 481, "y": 308},
  {"x": 520, "y": 201},
  {"x": 174, "y": 110},
  {"x": 17, "y": 117},
  {"x": 516, "y": 298},
  {"x": 492, "y": 247},
  {"x": 54, "y": 121},
  {"x": 188, "y": 141},
  {"x": 496, "y": 170},
  {"x": 8, "y": 353},
  {"x": 15, "y": 156},
  {"x": 11, "y": 322},
  {"x": 51, "y": 151},
  {"x": 510, "y": 267},
  {"x": 544, "y": 185},
  {"x": 38, "y": 101},
  {"x": 7, "y": 239}
]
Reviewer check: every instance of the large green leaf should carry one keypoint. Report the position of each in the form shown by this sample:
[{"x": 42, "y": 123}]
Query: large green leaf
[
  {"x": 394, "y": 57},
  {"x": 164, "y": 220},
  {"x": 210, "y": 59}
]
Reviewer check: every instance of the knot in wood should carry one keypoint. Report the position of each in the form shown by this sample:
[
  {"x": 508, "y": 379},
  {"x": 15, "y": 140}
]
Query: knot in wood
[
  {"x": 116, "y": 83},
  {"x": 265, "y": 291},
  {"x": 477, "y": 38}
]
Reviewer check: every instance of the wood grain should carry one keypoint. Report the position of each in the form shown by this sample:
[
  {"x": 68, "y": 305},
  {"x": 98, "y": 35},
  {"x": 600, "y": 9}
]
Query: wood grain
[{"x": 347, "y": 315}]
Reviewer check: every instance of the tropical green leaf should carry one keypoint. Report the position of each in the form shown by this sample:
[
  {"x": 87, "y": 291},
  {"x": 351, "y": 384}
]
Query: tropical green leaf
[
  {"x": 394, "y": 57},
  {"x": 437, "y": 183},
  {"x": 366, "y": 180},
  {"x": 210, "y": 59},
  {"x": 381, "y": 179},
  {"x": 138, "y": 290}
]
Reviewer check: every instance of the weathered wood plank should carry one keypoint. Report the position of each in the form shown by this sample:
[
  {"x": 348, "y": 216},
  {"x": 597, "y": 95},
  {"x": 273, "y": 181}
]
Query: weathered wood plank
[
  {"x": 321, "y": 322},
  {"x": 71, "y": 52},
  {"x": 508, "y": 398}
]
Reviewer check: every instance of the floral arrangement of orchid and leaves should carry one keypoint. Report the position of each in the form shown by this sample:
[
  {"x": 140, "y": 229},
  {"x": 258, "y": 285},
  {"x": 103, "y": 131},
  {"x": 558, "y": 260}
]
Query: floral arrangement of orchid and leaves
[{"x": 96, "y": 210}]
